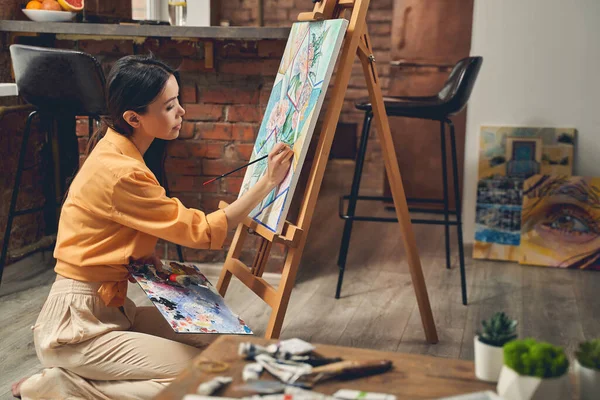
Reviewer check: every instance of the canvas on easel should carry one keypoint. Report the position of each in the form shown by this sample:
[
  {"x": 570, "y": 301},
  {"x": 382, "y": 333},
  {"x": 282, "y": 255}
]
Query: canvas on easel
[{"x": 292, "y": 111}]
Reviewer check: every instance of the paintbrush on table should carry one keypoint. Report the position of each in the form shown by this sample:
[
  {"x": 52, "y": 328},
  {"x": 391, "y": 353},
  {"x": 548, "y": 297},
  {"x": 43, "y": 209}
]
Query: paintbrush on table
[
  {"x": 235, "y": 170},
  {"x": 344, "y": 370}
]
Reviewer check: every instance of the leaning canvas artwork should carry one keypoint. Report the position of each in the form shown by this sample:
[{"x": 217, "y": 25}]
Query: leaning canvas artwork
[
  {"x": 508, "y": 156},
  {"x": 187, "y": 300},
  {"x": 293, "y": 108},
  {"x": 561, "y": 222}
]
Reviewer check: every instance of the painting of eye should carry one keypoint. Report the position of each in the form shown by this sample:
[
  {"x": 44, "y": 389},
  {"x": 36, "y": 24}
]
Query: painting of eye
[{"x": 561, "y": 222}]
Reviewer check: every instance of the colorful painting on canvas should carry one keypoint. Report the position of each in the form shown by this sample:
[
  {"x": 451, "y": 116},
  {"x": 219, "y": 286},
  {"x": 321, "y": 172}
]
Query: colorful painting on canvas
[
  {"x": 187, "y": 300},
  {"x": 561, "y": 222},
  {"x": 508, "y": 156},
  {"x": 293, "y": 109}
]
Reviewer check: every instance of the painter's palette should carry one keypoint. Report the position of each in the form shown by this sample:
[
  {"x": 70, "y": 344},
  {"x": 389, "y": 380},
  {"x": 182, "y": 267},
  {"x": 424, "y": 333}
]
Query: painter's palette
[{"x": 187, "y": 300}]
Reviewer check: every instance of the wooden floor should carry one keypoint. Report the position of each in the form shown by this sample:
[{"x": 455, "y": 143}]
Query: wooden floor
[{"x": 377, "y": 309}]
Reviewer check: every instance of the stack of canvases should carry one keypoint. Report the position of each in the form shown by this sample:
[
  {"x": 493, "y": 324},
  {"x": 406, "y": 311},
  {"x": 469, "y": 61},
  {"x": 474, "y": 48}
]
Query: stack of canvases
[{"x": 530, "y": 208}]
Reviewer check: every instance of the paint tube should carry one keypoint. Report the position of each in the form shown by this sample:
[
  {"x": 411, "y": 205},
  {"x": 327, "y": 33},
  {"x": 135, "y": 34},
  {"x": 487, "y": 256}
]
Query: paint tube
[
  {"x": 285, "y": 371},
  {"x": 250, "y": 350},
  {"x": 251, "y": 372},
  {"x": 282, "y": 350},
  {"x": 262, "y": 387},
  {"x": 302, "y": 394},
  {"x": 295, "y": 347},
  {"x": 295, "y": 393},
  {"x": 208, "y": 388},
  {"x": 314, "y": 361},
  {"x": 344, "y": 394}
]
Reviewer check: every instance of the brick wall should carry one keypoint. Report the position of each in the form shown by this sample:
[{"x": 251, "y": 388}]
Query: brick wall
[{"x": 224, "y": 108}]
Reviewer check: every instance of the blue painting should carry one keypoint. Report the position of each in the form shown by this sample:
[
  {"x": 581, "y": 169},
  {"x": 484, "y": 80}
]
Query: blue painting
[
  {"x": 292, "y": 111},
  {"x": 507, "y": 157}
]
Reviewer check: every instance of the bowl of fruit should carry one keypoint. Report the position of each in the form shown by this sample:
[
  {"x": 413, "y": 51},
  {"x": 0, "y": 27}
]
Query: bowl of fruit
[{"x": 52, "y": 10}]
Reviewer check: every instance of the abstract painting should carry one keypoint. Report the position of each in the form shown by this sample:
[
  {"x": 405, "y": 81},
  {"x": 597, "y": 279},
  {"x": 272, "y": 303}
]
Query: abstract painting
[
  {"x": 508, "y": 156},
  {"x": 292, "y": 111},
  {"x": 187, "y": 300},
  {"x": 561, "y": 222}
]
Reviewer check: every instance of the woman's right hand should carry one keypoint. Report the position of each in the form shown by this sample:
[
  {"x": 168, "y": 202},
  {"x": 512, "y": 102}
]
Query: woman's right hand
[
  {"x": 278, "y": 166},
  {"x": 279, "y": 163}
]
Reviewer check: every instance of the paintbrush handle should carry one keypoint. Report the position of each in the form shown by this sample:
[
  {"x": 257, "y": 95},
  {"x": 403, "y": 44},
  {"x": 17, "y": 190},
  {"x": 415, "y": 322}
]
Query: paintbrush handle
[
  {"x": 347, "y": 369},
  {"x": 237, "y": 169},
  {"x": 244, "y": 166}
]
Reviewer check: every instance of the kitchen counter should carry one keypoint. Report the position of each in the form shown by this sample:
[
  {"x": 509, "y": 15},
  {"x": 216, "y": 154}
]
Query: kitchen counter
[{"x": 134, "y": 30}]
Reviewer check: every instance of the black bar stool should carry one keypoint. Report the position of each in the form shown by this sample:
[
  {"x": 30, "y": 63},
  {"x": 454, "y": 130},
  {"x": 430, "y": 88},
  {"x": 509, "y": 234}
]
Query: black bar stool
[
  {"x": 60, "y": 84},
  {"x": 449, "y": 101}
]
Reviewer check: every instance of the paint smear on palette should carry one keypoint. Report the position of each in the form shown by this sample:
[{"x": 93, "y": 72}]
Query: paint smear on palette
[{"x": 187, "y": 300}]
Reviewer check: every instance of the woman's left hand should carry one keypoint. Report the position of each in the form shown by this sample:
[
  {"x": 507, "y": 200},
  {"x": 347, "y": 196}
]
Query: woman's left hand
[{"x": 151, "y": 259}]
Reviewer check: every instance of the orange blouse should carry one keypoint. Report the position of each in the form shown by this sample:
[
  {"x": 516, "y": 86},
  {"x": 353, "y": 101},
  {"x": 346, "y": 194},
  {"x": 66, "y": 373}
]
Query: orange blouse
[{"x": 117, "y": 210}]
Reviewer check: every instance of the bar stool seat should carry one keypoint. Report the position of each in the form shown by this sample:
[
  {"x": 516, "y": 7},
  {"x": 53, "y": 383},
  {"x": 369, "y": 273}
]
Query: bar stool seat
[
  {"x": 449, "y": 101},
  {"x": 429, "y": 107}
]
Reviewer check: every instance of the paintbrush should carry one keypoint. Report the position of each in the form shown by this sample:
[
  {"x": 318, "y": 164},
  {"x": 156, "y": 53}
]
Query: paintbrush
[
  {"x": 235, "y": 170},
  {"x": 344, "y": 370}
]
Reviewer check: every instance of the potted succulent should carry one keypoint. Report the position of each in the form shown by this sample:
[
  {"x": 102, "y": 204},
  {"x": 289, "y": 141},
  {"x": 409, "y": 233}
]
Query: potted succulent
[
  {"x": 587, "y": 369},
  {"x": 534, "y": 371},
  {"x": 497, "y": 331}
]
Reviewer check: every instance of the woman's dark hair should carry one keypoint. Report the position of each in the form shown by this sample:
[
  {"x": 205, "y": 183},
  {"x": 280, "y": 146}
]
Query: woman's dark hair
[{"x": 132, "y": 84}]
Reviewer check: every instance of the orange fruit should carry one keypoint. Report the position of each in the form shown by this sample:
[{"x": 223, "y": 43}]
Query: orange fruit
[
  {"x": 33, "y": 5},
  {"x": 51, "y": 5},
  {"x": 71, "y": 5}
]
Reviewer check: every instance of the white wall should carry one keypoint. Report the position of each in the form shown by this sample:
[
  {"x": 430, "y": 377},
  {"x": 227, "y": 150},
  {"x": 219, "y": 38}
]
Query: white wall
[
  {"x": 541, "y": 67},
  {"x": 199, "y": 12}
]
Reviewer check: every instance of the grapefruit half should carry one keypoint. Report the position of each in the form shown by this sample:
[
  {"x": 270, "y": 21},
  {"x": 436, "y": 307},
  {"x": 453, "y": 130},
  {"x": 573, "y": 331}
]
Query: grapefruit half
[{"x": 71, "y": 5}]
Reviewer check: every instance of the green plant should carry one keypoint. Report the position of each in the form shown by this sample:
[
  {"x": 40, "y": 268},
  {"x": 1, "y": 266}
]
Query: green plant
[
  {"x": 588, "y": 354},
  {"x": 532, "y": 358},
  {"x": 498, "y": 330}
]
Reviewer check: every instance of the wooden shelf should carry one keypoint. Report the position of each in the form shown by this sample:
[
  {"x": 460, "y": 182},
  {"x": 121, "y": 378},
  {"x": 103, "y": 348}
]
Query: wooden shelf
[{"x": 211, "y": 32}]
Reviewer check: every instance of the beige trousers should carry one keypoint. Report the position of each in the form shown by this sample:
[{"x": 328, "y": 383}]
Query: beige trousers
[{"x": 90, "y": 351}]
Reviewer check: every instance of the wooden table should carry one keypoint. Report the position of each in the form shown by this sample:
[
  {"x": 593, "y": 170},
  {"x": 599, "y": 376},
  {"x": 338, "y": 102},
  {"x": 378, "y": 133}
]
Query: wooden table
[{"x": 412, "y": 377}]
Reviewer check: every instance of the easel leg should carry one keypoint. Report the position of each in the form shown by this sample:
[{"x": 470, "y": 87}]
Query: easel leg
[
  {"x": 279, "y": 299},
  {"x": 234, "y": 252},
  {"x": 395, "y": 179},
  {"x": 288, "y": 279}
]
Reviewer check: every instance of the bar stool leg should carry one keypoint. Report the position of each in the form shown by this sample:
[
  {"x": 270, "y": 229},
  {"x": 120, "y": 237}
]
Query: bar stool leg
[
  {"x": 91, "y": 123},
  {"x": 15, "y": 192},
  {"x": 461, "y": 253},
  {"x": 180, "y": 253},
  {"x": 445, "y": 186},
  {"x": 360, "y": 158}
]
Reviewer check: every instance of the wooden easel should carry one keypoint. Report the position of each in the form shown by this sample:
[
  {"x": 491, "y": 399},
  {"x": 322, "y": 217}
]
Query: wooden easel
[{"x": 356, "y": 41}]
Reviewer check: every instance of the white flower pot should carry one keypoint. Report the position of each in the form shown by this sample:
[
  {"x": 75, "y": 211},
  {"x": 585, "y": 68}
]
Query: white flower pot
[
  {"x": 488, "y": 361},
  {"x": 588, "y": 381},
  {"x": 513, "y": 386}
]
